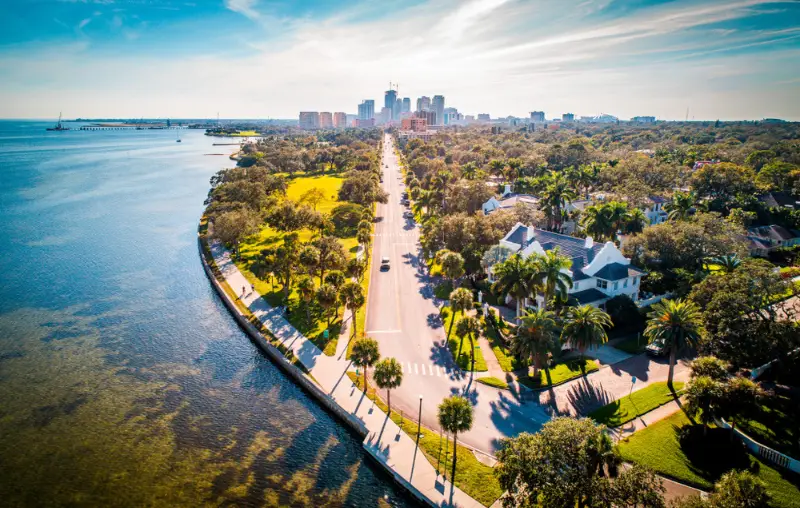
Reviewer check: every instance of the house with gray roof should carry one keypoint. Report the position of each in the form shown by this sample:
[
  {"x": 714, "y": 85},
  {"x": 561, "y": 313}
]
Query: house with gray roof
[
  {"x": 599, "y": 271},
  {"x": 764, "y": 239}
]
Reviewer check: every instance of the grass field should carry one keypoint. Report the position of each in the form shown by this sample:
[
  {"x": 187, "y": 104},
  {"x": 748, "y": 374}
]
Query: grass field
[
  {"x": 473, "y": 477},
  {"x": 462, "y": 355},
  {"x": 561, "y": 373},
  {"x": 677, "y": 449},
  {"x": 638, "y": 403},
  {"x": 776, "y": 424},
  {"x": 507, "y": 360},
  {"x": 493, "y": 381}
]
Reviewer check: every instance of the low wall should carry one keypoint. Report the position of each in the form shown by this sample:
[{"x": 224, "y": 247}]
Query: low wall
[
  {"x": 765, "y": 452},
  {"x": 277, "y": 357}
]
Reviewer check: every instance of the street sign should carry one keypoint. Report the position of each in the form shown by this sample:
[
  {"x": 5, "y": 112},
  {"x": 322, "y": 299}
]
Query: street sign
[{"x": 633, "y": 380}]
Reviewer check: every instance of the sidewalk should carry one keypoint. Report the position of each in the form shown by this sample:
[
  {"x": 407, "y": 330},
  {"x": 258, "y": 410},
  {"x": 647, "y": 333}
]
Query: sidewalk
[
  {"x": 385, "y": 441},
  {"x": 645, "y": 420}
]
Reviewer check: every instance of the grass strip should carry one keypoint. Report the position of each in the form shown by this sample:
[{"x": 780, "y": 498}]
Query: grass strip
[
  {"x": 493, "y": 381},
  {"x": 636, "y": 404},
  {"x": 460, "y": 349},
  {"x": 473, "y": 477},
  {"x": 561, "y": 373}
]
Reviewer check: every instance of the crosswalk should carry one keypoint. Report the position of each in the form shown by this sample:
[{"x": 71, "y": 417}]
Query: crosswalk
[{"x": 422, "y": 369}]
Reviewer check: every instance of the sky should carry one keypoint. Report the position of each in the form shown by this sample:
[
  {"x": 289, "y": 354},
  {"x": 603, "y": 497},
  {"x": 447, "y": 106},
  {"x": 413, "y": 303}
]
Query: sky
[{"x": 728, "y": 60}]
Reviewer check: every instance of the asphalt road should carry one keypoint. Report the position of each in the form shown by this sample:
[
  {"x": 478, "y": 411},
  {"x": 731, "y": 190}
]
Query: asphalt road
[{"x": 402, "y": 315}]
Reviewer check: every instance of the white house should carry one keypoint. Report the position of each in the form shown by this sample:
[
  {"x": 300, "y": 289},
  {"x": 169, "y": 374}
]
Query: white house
[
  {"x": 655, "y": 212},
  {"x": 509, "y": 201},
  {"x": 599, "y": 271}
]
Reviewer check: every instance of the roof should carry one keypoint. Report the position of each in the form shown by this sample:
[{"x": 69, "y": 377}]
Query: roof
[
  {"x": 575, "y": 248},
  {"x": 779, "y": 200},
  {"x": 617, "y": 271},
  {"x": 513, "y": 199},
  {"x": 772, "y": 233},
  {"x": 589, "y": 296},
  {"x": 658, "y": 199}
]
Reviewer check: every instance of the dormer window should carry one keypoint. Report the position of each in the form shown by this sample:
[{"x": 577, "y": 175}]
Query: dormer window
[{"x": 602, "y": 284}]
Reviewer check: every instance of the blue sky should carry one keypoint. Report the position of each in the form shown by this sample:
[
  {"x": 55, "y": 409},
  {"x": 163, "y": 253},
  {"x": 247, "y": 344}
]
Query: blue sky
[{"x": 259, "y": 58}]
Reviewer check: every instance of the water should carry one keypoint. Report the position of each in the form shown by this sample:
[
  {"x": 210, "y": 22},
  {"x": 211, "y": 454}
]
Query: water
[{"x": 123, "y": 380}]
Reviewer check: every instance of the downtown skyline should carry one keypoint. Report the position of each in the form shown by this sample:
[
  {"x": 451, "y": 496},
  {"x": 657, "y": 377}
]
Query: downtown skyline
[{"x": 721, "y": 60}]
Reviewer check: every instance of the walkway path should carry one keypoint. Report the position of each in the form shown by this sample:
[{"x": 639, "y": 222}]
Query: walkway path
[
  {"x": 645, "y": 420},
  {"x": 385, "y": 441}
]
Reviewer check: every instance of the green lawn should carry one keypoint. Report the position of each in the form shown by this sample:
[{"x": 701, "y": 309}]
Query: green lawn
[
  {"x": 561, "y": 373},
  {"x": 632, "y": 344},
  {"x": 679, "y": 450},
  {"x": 507, "y": 360},
  {"x": 473, "y": 477},
  {"x": 460, "y": 349},
  {"x": 493, "y": 381},
  {"x": 638, "y": 403},
  {"x": 777, "y": 425}
]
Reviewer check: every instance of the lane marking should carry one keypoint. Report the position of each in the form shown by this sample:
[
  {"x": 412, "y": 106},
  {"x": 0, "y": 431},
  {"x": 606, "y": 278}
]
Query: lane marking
[
  {"x": 416, "y": 371},
  {"x": 431, "y": 367},
  {"x": 422, "y": 368},
  {"x": 383, "y": 331},
  {"x": 409, "y": 367}
]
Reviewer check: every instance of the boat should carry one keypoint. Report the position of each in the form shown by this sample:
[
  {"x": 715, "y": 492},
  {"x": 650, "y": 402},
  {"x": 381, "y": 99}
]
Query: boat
[
  {"x": 59, "y": 126},
  {"x": 179, "y": 137}
]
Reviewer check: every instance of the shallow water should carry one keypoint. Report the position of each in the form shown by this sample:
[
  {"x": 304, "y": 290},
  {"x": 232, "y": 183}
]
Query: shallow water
[{"x": 123, "y": 380}]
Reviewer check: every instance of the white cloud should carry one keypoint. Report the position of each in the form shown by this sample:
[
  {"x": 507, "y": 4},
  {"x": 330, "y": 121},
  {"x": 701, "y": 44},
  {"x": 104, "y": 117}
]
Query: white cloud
[{"x": 244, "y": 7}]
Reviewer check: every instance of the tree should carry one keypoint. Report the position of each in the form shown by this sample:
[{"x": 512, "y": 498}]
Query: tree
[
  {"x": 678, "y": 324},
  {"x": 332, "y": 255},
  {"x": 362, "y": 187},
  {"x": 681, "y": 206},
  {"x": 549, "y": 273},
  {"x": 306, "y": 289},
  {"x": 468, "y": 326},
  {"x": 309, "y": 258},
  {"x": 557, "y": 466},
  {"x": 727, "y": 263},
  {"x": 284, "y": 260},
  {"x": 537, "y": 336},
  {"x": 460, "y": 301},
  {"x": 556, "y": 194},
  {"x": 740, "y": 489},
  {"x": 722, "y": 182},
  {"x": 352, "y": 296},
  {"x": 584, "y": 327},
  {"x": 313, "y": 197},
  {"x": 328, "y": 298},
  {"x": 232, "y": 227},
  {"x": 388, "y": 375},
  {"x": 364, "y": 233},
  {"x": 634, "y": 222},
  {"x": 356, "y": 268},
  {"x": 365, "y": 354},
  {"x": 455, "y": 415},
  {"x": 710, "y": 366},
  {"x": 513, "y": 278},
  {"x": 703, "y": 397},
  {"x": 739, "y": 400},
  {"x": 636, "y": 486},
  {"x": 452, "y": 266},
  {"x": 288, "y": 216},
  {"x": 335, "y": 278}
]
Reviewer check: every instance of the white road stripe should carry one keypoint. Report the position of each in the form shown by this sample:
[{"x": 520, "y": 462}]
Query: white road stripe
[
  {"x": 416, "y": 371},
  {"x": 409, "y": 367},
  {"x": 422, "y": 368}
]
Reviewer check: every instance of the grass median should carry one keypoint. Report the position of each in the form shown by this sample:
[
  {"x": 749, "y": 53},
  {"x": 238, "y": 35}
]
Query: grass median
[
  {"x": 636, "y": 404},
  {"x": 473, "y": 477},
  {"x": 560, "y": 373}
]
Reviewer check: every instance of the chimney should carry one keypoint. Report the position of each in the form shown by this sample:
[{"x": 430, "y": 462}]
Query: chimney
[
  {"x": 588, "y": 243},
  {"x": 507, "y": 190},
  {"x": 529, "y": 234}
]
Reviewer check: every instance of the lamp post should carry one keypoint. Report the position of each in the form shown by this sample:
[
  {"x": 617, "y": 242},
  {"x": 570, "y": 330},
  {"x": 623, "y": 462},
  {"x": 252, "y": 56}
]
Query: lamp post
[{"x": 419, "y": 420}]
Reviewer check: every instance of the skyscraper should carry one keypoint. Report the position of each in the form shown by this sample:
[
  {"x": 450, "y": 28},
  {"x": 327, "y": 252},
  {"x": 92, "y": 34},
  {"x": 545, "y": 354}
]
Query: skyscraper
[
  {"x": 339, "y": 120},
  {"x": 438, "y": 106},
  {"x": 423, "y": 103},
  {"x": 398, "y": 108},
  {"x": 325, "y": 120},
  {"x": 537, "y": 116},
  {"x": 406, "y": 105},
  {"x": 309, "y": 120},
  {"x": 366, "y": 109},
  {"x": 567, "y": 117},
  {"x": 390, "y": 99}
]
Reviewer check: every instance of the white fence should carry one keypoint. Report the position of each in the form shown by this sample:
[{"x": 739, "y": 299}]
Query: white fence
[
  {"x": 652, "y": 300},
  {"x": 765, "y": 452}
]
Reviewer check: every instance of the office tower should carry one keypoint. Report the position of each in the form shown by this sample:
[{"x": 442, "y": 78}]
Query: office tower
[
  {"x": 326, "y": 120},
  {"x": 385, "y": 115},
  {"x": 537, "y": 116},
  {"x": 483, "y": 117},
  {"x": 423, "y": 103},
  {"x": 398, "y": 108},
  {"x": 428, "y": 115},
  {"x": 339, "y": 120},
  {"x": 406, "y": 105},
  {"x": 309, "y": 120},
  {"x": 389, "y": 99},
  {"x": 366, "y": 109},
  {"x": 438, "y": 106},
  {"x": 567, "y": 117}
]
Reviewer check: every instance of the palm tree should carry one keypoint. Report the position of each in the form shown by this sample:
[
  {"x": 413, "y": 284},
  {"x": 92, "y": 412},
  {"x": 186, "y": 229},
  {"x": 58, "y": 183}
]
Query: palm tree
[
  {"x": 635, "y": 221},
  {"x": 452, "y": 266},
  {"x": 557, "y": 193},
  {"x": 585, "y": 326},
  {"x": 460, "y": 301},
  {"x": 497, "y": 166},
  {"x": 328, "y": 297},
  {"x": 469, "y": 171},
  {"x": 603, "y": 455},
  {"x": 388, "y": 375},
  {"x": 597, "y": 223},
  {"x": 548, "y": 273},
  {"x": 365, "y": 354},
  {"x": 305, "y": 287},
  {"x": 681, "y": 205},
  {"x": 455, "y": 415},
  {"x": 364, "y": 234},
  {"x": 678, "y": 324},
  {"x": 513, "y": 278},
  {"x": 727, "y": 263},
  {"x": 537, "y": 336},
  {"x": 352, "y": 296},
  {"x": 618, "y": 215},
  {"x": 468, "y": 326}
]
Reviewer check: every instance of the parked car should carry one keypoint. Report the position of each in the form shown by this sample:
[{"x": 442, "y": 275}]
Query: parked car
[
  {"x": 408, "y": 215},
  {"x": 405, "y": 202},
  {"x": 384, "y": 263},
  {"x": 658, "y": 348}
]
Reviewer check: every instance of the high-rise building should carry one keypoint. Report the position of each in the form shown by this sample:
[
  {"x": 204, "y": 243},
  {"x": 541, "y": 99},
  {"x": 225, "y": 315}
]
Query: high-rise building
[
  {"x": 406, "y": 105},
  {"x": 567, "y": 117},
  {"x": 438, "y": 106},
  {"x": 428, "y": 115},
  {"x": 423, "y": 103},
  {"x": 339, "y": 120},
  {"x": 643, "y": 119},
  {"x": 385, "y": 115},
  {"x": 309, "y": 120},
  {"x": 366, "y": 109},
  {"x": 398, "y": 108},
  {"x": 484, "y": 117},
  {"x": 389, "y": 99},
  {"x": 325, "y": 120},
  {"x": 537, "y": 116}
]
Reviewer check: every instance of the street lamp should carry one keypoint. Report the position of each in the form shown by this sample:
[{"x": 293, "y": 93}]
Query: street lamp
[{"x": 419, "y": 420}]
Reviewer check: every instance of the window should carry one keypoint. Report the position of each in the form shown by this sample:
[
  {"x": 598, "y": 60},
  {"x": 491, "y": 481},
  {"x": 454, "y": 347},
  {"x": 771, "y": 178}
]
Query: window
[
  {"x": 616, "y": 285},
  {"x": 625, "y": 283},
  {"x": 635, "y": 280},
  {"x": 576, "y": 286},
  {"x": 602, "y": 284}
]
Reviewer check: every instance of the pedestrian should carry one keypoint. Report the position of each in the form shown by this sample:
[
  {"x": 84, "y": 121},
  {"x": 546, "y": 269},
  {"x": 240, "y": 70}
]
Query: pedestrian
[
  {"x": 243, "y": 291},
  {"x": 252, "y": 288}
]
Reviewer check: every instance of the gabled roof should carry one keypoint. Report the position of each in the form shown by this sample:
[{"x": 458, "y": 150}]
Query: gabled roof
[
  {"x": 658, "y": 199},
  {"x": 617, "y": 271},
  {"x": 589, "y": 296},
  {"x": 772, "y": 233},
  {"x": 779, "y": 200}
]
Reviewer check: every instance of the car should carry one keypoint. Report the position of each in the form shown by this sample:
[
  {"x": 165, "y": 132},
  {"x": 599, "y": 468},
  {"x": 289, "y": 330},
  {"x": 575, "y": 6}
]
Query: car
[
  {"x": 384, "y": 263},
  {"x": 405, "y": 202},
  {"x": 408, "y": 215},
  {"x": 657, "y": 348}
]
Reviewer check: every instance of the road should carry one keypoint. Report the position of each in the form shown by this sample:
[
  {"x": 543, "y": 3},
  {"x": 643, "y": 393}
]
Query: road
[{"x": 403, "y": 316}]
